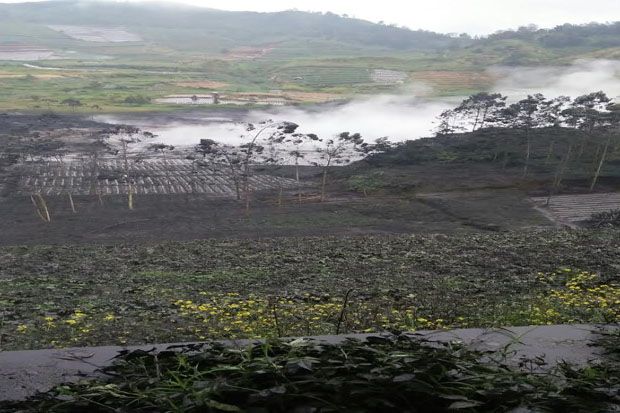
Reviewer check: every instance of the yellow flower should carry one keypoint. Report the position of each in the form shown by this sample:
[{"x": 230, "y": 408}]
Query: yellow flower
[
  {"x": 71, "y": 322},
  {"x": 109, "y": 317},
  {"x": 22, "y": 328}
]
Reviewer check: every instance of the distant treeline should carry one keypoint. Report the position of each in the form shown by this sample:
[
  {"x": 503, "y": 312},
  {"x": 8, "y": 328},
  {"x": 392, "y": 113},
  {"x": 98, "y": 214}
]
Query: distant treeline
[
  {"x": 555, "y": 135},
  {"x": 598, "y": 35}
]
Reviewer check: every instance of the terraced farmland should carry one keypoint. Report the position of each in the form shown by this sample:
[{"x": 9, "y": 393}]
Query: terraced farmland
[
  {"x": 576, "y": 208},
  {"x": 388, "y": 77},
  {"x": 147, "y": 177},
  {"x": 444, "y": 81},
  {"x": 313, "y": 76}
]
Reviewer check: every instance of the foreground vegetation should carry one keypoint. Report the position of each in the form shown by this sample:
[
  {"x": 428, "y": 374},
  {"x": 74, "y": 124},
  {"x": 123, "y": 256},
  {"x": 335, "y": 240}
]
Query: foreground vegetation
[
  {"x": 55, "y": 296},
  {"x": 394, "y": 373}
]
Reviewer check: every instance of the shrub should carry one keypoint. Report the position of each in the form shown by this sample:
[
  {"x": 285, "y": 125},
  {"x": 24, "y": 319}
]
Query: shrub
[
  {"x": 607, "y": 219},
  {"x": 137, "y": 100}
]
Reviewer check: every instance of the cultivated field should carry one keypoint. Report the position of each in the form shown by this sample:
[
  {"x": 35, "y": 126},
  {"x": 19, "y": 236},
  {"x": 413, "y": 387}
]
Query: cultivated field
[
  {"x": 147, "y": 177},
  {"x": 24, "y": 53},
  {"x": 97, "y": 34},
  {"x": 450, "y": 82},
  {"x": 577, "y": 208}
]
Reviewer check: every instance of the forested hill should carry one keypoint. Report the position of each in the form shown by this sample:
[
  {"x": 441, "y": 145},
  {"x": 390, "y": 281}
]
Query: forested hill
[
  {"x": 207, "y": 30},
  {"x": 184, "y": 26}
]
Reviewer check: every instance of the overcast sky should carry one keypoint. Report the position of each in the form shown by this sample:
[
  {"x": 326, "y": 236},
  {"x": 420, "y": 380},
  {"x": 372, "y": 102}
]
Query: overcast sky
[{"x": 446, "y": 16}]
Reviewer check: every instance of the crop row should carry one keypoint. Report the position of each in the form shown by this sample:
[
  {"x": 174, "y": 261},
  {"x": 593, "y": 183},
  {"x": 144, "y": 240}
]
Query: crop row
[{"x": 147, "y": 177}]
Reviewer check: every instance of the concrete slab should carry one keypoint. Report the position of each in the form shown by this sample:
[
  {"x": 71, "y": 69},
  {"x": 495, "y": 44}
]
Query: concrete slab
[{"x": 24, "y": 373}]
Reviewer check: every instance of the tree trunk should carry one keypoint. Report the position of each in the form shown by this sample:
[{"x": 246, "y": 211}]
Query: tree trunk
[
  {"x": 71, "y": 203},
  {"x": 600, "y": 164},
  {"x": 238, "y": 189},
  {"x": 323, "y": 183},
  {"x": 595, "y": 159},
  {"x": 528, "y": 151},
  {"x": 297, "y": 179},
  {"x": 247, "y": 203},
  {"x": 563, "y": 166},
  {"x": 41, "y": 207},
  {"x": 582, "y": 147},
  {"x": 246, "y": 192},
  {"x": 483, "y": 118},
  {"x": 559, "y": 173},
  {"x": 125, "y": 161},
  {"x": 549, "y": 151},
  {"x": 129, "y": 196},
  {"x": 473, "y": 129}
]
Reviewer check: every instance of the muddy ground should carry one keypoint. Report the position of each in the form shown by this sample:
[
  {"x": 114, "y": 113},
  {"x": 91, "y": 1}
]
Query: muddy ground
[
  {"x": 426, "y": 198},
  {"x": 12, "y": 123},
  {"x": 188, "y": 217}
]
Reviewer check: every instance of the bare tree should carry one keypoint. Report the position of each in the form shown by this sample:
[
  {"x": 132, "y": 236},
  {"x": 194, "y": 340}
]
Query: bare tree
[
  {"x": 339, "y": 150},
  {"x": 94, "y": 153},
  {"x": 287, "y": 145},
  {"x": 218, "y": 157},
  {"x": 122, "y": 139},
  {"x": 163, "y": 149},
  {"x": 609, "y": 128},
  {"x": 252, "y": 151},
  {"x": 261, "y": 144}
]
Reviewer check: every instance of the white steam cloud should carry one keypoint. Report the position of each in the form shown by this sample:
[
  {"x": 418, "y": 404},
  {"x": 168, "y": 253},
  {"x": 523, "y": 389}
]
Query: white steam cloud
[
  {"x": 580, "y": 78},
  {"x": 395, "y": 116},
  {"x": 404, "y": 116}
]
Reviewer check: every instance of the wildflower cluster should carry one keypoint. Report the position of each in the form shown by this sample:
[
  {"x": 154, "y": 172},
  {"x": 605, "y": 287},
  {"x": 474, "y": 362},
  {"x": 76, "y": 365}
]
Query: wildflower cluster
[
  {"x": 72, "y": 329},
  {"x": 564, "y": 296},
  {"x": 578, "y": 296},
  {"x": 231, "y": 315}
]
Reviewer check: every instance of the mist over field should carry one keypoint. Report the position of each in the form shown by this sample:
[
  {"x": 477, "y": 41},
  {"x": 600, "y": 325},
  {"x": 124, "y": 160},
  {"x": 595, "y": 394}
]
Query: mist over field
[
  {"x": 577, "y": 79},
  {"x": 399, "y": 117},
  {"x": 411, "y": 115}
]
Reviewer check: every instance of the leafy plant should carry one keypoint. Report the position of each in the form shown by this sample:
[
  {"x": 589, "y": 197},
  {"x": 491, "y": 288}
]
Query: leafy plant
[{"x": 389, "y": 373}]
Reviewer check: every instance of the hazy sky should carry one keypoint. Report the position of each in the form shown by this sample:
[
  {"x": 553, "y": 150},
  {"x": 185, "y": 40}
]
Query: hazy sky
[{"x": 447, "y": 16}]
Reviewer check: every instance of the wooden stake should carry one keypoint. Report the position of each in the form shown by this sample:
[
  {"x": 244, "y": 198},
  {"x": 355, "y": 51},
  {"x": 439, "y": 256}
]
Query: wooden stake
[
  {"x": 130, "y": 196},
  {"x": 41, "y": 207},
  {"x": 280, "y": 198},
  {"x": 71, "y": 203}
]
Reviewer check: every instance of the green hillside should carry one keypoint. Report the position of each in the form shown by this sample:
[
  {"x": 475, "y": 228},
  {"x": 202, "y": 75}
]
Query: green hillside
[{"x": 107, "y": 54}]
